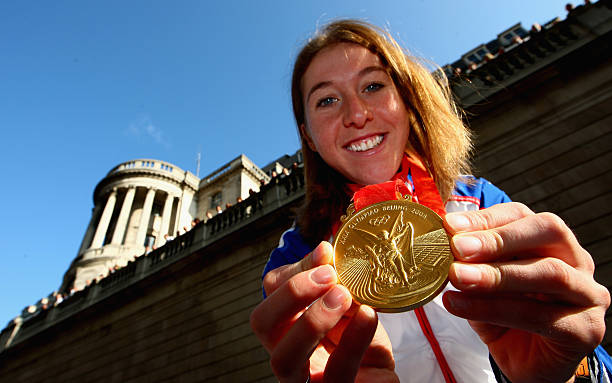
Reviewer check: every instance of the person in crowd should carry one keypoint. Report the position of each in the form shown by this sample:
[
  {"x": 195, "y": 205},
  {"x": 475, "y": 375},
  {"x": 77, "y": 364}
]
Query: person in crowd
[
  {"x": 29, "y": 311},
  {"x": 522, "y": 304},
  {"x": 299, "y": 173},
  {"x": 265, "y": 185},
  {"x": 219, "y": 210}
]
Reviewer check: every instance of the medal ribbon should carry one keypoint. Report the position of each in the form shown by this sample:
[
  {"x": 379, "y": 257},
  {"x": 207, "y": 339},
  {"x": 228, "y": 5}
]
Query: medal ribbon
[{"x": 429, "y": 196}]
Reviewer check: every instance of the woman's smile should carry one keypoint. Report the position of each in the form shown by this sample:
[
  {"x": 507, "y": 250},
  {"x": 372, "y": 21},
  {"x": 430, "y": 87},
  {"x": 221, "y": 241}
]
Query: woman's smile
[{"x": 365, "y": 144}]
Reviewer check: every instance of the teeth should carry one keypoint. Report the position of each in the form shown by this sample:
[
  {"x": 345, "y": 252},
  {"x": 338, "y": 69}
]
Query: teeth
[{"x": 366, "y": 145}]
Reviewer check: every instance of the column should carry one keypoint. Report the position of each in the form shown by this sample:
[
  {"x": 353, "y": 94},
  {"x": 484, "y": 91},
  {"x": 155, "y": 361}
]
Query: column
[
  {"x": 98, "y": 240},
  {"x": 144, "y": 217},
  {"x": 179, "y": 207},
  {"x": 90, "y": 229},
  {"x": 165, "y": 224},
  {"x": 124, "y": 215}
]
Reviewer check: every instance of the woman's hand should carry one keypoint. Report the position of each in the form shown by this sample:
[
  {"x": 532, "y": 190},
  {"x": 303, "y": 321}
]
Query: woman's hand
[
  {"x": 527, "y": 288},
  {"x": 309, "y": 325}
]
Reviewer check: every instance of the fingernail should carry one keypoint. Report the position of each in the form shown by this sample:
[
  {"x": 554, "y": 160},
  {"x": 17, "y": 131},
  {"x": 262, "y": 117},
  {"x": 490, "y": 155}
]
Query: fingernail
[
  {"x": 318, "y": 254},
  {"x": 458, "y": 221},
  {"x": 457, "y": 302},
  {"x": 467, "y": 246},
  {"x": 322, "y": 275},
  {"x": 368, "y": 311},
  {"x": 334, "y": 298},
  {"x": 467, "y": 274}
]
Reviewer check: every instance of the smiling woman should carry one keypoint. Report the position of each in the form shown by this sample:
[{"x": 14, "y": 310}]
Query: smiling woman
[{"x": 523, "y": 303}]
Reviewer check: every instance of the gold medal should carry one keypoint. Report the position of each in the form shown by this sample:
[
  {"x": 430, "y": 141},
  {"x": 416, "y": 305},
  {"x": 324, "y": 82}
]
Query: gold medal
[{"x": 393, "y": 256}]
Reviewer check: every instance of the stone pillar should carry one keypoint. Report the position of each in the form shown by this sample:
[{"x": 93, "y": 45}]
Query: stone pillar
[
  {"x": 124, "y": 215},
  {"x": 177, "y": 219},
  {"x": 144, "y": 217},
  {"x": 165, "y": 220},
  {"x": 98, "y": 240},
  {"x": 90, "y": 230}
]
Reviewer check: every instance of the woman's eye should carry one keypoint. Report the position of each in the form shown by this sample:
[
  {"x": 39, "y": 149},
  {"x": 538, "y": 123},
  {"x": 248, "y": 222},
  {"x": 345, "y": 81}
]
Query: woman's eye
[
  {"x": 373, "y": 87},
  {"x": 326, "y": 101}
]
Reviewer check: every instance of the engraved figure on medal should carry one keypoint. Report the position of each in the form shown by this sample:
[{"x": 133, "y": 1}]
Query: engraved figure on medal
[
  {"x": 393, "y": 256},
  {"x": 389, "y": 262}
]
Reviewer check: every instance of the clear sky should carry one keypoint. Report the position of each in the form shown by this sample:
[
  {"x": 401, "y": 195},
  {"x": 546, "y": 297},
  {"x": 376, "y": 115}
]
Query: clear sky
[{"x": 87, "y": 85}]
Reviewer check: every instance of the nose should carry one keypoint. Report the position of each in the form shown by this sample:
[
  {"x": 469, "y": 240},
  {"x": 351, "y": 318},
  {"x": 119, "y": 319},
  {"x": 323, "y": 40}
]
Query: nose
[{"x": 356, "y": 112}]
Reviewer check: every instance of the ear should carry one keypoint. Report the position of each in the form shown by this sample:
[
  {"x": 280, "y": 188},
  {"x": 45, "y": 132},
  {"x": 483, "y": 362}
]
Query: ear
[{"x": 307, "y": 138}]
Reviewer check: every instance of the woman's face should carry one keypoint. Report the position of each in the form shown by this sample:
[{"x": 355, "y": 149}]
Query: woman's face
[{"x": 355, "y": 117}]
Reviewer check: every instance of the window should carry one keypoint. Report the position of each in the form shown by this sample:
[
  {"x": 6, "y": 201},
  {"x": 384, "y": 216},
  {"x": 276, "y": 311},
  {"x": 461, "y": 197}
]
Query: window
[
  {"x": 520, "y": 31},
  {"x": 215, "y": 200}
]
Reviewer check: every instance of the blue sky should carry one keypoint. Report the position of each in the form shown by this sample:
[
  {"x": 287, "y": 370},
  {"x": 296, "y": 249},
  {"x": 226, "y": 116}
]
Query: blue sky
[{"x": 85, "y": 86}]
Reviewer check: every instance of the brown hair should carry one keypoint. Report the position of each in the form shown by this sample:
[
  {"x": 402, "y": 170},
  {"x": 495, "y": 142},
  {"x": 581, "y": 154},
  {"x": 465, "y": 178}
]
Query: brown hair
[{"x": 438, "y": 136}]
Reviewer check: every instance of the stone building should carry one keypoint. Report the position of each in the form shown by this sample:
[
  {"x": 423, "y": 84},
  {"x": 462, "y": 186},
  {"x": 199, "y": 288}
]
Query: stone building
[
  {"x": 134, "y": 206},
  {"x": 142, "y": 202},
  {"x": 539, "y": 101}
]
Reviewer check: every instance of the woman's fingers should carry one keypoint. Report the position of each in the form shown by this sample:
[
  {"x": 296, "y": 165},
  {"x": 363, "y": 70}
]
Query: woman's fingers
[
  {"x": 321, "y": 255},
  {"x": 528, "y": 235},
  {"x": 489, "y": 218},
  {"x": 549, "y": 276},
  {"x": 344, "y": 362},
  {"x": 281, "y": 307},
  {"x": 570, "y": 324},
  {"x": 290, "y": 356},
  {"x": 363, "y": 352}
]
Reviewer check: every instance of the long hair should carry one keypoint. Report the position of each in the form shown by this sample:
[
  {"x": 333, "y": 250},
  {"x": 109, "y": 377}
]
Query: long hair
[{"x": 437, "y": 134}]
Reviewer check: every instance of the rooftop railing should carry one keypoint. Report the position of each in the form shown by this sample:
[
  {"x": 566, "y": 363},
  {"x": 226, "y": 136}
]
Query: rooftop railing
[{"x": 146, "y": 164}]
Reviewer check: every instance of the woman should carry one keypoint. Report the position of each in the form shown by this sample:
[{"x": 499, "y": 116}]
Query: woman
[{"x": 525, "y": 293}]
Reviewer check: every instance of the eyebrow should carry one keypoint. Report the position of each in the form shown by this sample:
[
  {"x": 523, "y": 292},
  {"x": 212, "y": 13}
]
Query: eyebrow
[{"x": 363, "y": 72}]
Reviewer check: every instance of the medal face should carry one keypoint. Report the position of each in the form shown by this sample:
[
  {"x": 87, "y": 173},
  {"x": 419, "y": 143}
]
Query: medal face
[{"x": 393, "y": 256}]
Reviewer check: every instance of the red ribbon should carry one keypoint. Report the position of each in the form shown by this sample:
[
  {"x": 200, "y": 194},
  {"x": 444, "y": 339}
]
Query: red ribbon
[
  {"x": 386, "y": 191},
  {"x": 428, "y": 195}
]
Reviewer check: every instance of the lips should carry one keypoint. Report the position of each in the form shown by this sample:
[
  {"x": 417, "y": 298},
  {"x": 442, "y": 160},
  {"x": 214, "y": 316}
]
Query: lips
[{"x": 364, "y": 144}]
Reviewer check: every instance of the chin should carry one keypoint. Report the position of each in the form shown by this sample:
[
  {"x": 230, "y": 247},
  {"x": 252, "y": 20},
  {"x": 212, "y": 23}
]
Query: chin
[{"x": 374, "y": 179}]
